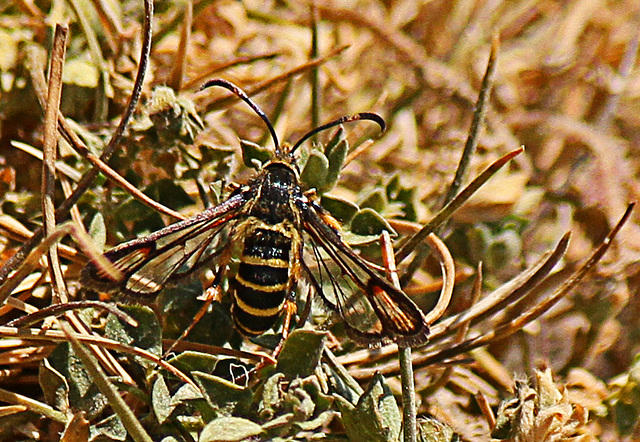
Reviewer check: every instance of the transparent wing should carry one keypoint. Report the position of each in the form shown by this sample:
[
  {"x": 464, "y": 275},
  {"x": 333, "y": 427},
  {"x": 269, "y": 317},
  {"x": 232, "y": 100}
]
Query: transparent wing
[
  {"x": 374, "y": 311},
  {"x": 171, "y": 253}
]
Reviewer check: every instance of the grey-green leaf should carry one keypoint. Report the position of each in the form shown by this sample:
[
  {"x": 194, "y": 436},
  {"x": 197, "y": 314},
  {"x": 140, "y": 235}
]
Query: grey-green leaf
[
  {"x": 343, "y": 210},
  {"x": 224, "y": 397},
  {"x": 161, "y": 400},
  {"x": 252, "y": 152},
  {"x": 376, "y": 417},
  {"x": 98, "y": 231},
  {"x": 315, "y": 171},
  {"x": 229, "y": 429},
  {"x": 369, "y": 222},
  {"x": 301, "y": 353},
  {"x": 336, "y": 157}
]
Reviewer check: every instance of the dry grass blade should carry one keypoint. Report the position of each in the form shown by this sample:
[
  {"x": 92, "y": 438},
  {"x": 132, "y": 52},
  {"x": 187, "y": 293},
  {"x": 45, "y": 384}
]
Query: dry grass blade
[
  {"x": 176, "y": 79},
  {"x": 438, "y": 350},
  {"x": 32, "y": 405},
  {"x": 454, "y": 204},
  {"x": 59, "y": 309},
  {"x": 55, "y": 336},
  {"x": 478, "y": 121},
  {"x": 63, "y": 210},
  {"x": 210, "y": 105},
  {"x": 49, "y": 149},
  {"x": 491, "y": 304}
]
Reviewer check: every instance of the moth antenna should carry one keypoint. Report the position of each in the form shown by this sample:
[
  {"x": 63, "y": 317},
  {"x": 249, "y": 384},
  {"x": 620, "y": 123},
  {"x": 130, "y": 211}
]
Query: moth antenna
[
  {"x": 242, "y": 95},
  {"x": 346, "y": 119}
]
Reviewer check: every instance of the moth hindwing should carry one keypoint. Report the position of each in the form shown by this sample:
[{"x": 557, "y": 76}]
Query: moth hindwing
[{"x": 281, "y": 236}]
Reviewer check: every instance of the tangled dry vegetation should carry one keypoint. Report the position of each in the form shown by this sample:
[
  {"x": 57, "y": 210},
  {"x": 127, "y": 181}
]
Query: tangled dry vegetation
[{"x": 530, "y": 338}]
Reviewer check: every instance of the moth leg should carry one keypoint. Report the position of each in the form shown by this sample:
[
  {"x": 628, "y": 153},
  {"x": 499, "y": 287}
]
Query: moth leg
[
  {"x": 210, "y": 295},
  {"x": 307, "y": 309},
  {"x": 290, "y": 309}
]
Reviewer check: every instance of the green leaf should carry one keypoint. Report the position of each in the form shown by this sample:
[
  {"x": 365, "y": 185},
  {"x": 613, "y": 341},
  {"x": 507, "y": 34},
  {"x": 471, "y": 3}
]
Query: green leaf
[
  {"x": 336, "y": 163},
  {"x": 375, "y": 418},
  {"x": 147, "y": 335},
  {"x": 224, "y": 397},
  {"x": 301, "y": 353},
  {"x": 252, "y": 153},
  {"x": 83, "y": 393},
  {"x": 186, "y": 393},
  {"x": 343, "y": 210},
  {"x": 229, "y": 429},
  {"x": 189, "y": 361},
  {"x": 321, "y": 421},
  {"x": 110, "y": 428},
  {"x": 300, "y": 401},
  {"x": 315, "y": 170},
  {"x": 98, "y": 231},
  {"x": 336, "y": 139},
  {"x": 375, "y": 199},
  {"x": 369, "y": 222},
  {"x": 336, "y": 155},
  {"x": 54, "y": 386},
  {"x": 322, "y": 169},
  {"x": 161, "y": 400},
  {"x": 283, "y": 420},
  {"x": 406, "y": 196},
  {"x": 271, "y": 396}
]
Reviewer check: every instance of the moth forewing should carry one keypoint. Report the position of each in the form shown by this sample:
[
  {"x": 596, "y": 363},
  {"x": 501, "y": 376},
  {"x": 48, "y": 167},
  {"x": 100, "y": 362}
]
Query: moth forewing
[{"x": 147, "y": 263}]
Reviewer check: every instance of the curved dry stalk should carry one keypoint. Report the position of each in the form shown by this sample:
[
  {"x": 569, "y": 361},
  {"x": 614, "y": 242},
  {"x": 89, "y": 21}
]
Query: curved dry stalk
[
  {"x": 504, "y": 294},
  {"x": 448, "y": 277},
  {"x": 461, "y": 332},
  {"x": 508, "y": 292}
]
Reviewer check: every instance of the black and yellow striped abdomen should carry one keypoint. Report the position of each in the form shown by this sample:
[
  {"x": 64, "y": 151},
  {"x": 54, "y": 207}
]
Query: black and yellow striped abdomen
[
  {"x": 264, "y": 277},
  {"x": 269, "y": 253}
]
